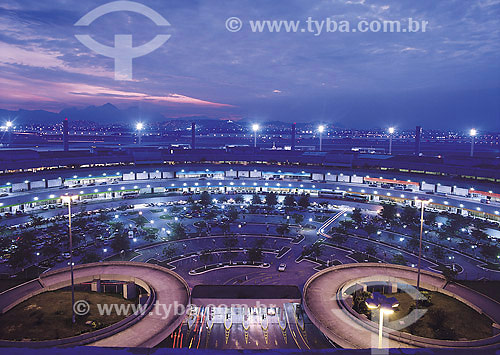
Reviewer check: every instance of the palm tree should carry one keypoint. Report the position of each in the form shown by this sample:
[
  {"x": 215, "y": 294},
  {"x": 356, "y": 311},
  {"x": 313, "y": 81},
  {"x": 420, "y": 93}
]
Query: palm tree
[
  {"x": 225, "y": 226},
  {"x": 37, "y": 220},
  {"x": 283, "y": 229}
]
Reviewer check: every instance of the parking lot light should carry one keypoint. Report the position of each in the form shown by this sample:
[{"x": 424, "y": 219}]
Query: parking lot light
[
  {"x": 385, "y": 305},
  {"x": 321, "y": 129},
  {"x": 422, "y": 204},
  {"x": 255, "y": 128},
  {"x": 67, "y": 199}
]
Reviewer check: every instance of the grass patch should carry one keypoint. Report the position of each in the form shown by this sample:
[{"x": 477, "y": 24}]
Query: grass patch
[
  {"x": 321, "y": 218},
  {"x": 446, "y": 318},
  {"x": 363, "y": 258},
  {"x": 151, "y": 230},
  {"x": 166, "y": 217},
  {"x": 156, "y": 210},
  {"x": 48, "y": 316},
  {"x": 140, "y": 220}
]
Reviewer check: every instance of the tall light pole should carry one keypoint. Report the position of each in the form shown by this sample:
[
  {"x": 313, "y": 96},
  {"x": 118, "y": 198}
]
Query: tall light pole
[
  {"x": 68, "y": 200},
  {"x": 385, "y": 305},
  {"x": 139, "y": 127},
  {"x": 391, "y": 133},
  {"x": 8, "y": 126},
  {"x": 255, "y": 128},
  {"x": 321, "y": 129},
  {"x": 422, "y": 204},
  {"x": 472, "y": 134}
]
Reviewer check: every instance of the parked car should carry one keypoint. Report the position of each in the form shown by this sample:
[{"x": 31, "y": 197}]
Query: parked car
[{"x": 282, "y": 267}]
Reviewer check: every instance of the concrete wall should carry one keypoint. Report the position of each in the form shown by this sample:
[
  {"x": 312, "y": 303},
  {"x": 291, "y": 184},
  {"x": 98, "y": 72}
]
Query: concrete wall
[
  {"x": 20, "y": 186},
  {"x": 255, "y": 174},
  {"x": 317, "y": 176},
  {"x": 427, "y": 187},
  {"x": 357, "y": 179},
  {"x": 330, "y": 177},
  {"x": 39, "y": 184},
  {"x": 459, "y": 191},
  {"x": 343, "y": 178},
  {"x": 128, "y": 176},
  {"x": 443, "y": 189},
  {"x": 54, "y": 182}
]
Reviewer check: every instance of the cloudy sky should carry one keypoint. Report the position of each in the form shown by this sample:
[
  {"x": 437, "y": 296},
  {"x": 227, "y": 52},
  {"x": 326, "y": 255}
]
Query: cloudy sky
[{"x": 447, "y": 76}]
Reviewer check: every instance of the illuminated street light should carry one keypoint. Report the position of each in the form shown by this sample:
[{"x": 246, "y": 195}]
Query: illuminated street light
[
  {"x": 321, "y": 129},
  {"x": 391, "y": 133},
  {"x": 67, "y": 199},
  {"x": 472, "y": 133},
  {"x": 139, "y": 127},
  {"x": 255, "y": 128},
  {"x": 385, "y": 305},
  {"x": 422, "y": 204},
  {"x": 8, "y": 124}
]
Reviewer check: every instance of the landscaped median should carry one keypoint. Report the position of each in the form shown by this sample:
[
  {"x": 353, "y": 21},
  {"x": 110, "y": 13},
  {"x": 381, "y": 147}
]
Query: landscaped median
[{"x": 203, "y": 269}]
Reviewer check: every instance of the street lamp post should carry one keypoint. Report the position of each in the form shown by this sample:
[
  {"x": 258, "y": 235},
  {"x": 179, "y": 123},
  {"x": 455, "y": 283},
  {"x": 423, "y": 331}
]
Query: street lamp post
[
  {"x": 255, "y": 128},
  {"x": 68, "y": 199},
  {"x": 473, "y": 133},
  {"x": 8, "y": 126},
  {"x": 321, "y": 129},
  {"x": 391, "y": 133},
  {"x": 385, "y": 305},
  {"x": 139, "y": 127},
  {"x": 422, "y": 203}
]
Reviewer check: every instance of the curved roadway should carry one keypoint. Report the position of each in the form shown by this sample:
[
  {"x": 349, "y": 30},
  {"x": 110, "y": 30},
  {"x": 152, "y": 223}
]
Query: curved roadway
[
  {"x": 170, "y": 290},
  {"x": 322, "y": 295}
]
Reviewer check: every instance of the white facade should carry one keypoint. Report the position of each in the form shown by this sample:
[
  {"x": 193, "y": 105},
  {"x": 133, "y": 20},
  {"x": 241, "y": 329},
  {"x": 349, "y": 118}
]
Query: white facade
[{"x": 128, "y": 176}]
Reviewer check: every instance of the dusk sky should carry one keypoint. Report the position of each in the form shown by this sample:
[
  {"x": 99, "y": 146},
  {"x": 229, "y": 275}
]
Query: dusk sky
[{"x": 445, "y": 77}]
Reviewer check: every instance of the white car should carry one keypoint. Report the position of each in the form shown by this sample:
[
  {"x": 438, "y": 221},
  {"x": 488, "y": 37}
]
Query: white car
[{"x": 282, "y": 267}]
